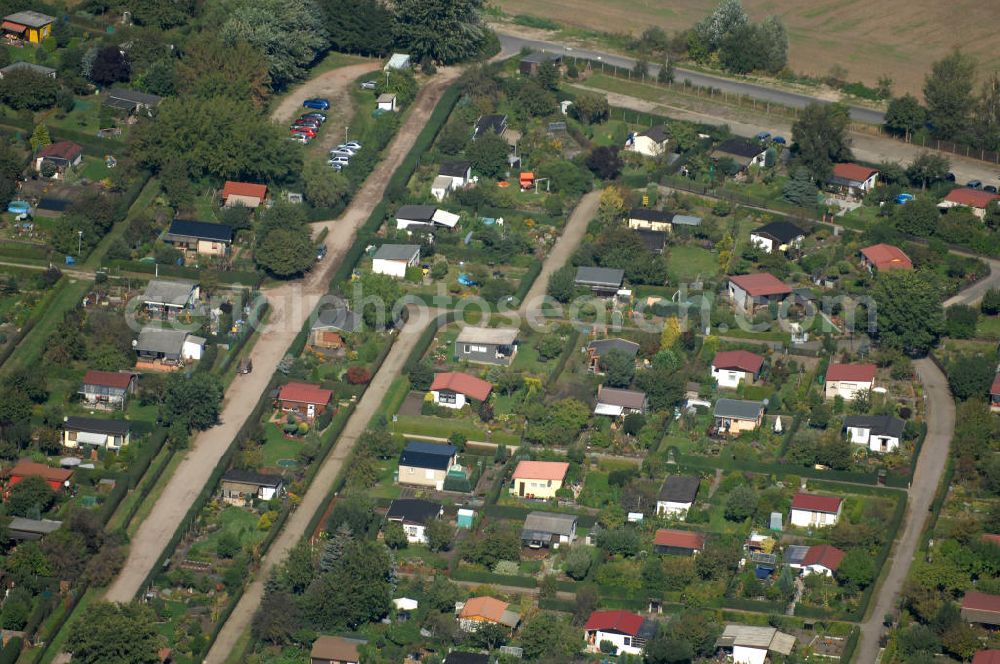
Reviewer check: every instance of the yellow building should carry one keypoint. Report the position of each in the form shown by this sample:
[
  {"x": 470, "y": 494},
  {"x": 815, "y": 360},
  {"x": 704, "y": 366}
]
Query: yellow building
[
  {"x": 28, "y": 25},
  {"x": 538, "y": 479}
]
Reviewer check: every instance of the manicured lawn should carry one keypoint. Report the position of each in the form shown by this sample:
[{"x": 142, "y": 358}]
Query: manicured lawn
[
  {"x": 276, "y": 446},
  {"x": 425, "y": 425},
  {"x": 687, "y": 263},
  {"x": 596, "y": 490},
  {"x": 386, "y": 487}
]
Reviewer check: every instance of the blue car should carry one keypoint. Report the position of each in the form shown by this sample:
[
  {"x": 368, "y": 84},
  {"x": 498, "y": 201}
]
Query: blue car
[
  {"x": 763, "y": 136},
  {"x": 780, "y": 140},
  {"x": 317, "y": 103},
  {"x": 903, "y": 199}
]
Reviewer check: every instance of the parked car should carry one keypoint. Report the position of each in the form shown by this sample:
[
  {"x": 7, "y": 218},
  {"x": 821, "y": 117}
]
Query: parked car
[
  {"x": 320, "y": 252},
  {"x": 337, "y": 166},
  {"x": 317, "y": 103},
  {"x": 339, "y": 160},
  {"x": 341, "y": 153},
  {"x": 950, "y": 177},
  {"x": 780, "y": 140},
  {"x": 304, "y": 130},
  {"x": 974, "y": 184},
  {"x": 305, "y": 123},
  {"x": 763, "y": 136},
  {"x": 990, "y": 188},
  {"x": 315, "y": 114},
  {"x": 299, "y": 138},
  {"x": 368, "y": 85},
  {"x": 354, "y": 145}
]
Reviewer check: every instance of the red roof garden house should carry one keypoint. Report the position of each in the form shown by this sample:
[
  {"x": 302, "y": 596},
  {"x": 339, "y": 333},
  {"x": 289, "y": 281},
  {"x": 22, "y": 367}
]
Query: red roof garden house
[
  {"x": 812, "y": 511},
  {"x": 62, "y": 155},
  {"x": 822, "y": 559},
  {"x": 884, "y": 257},
  {"x": 853, "y": 179},
  {"x": 305, "y": 399},
  {"x": 678, "y": 542},
  {"x": 627, "y": 632},
  {"x": 987, "y": 657},
  {"x": 57, "y": 478},
  {"x": 995, "y": 394},
  {"x": 731, "y": 367},
  {"x": 974, "y": 199},
  {"x": 538, "y": 479},
  {"x": 107, "y": 389},
  {"x": 750, "y": 292},
  {"x": 454, "y": 389},
  {"x": 981, "y": 608},
  {"x": 846, "y": 380},
  {"x": 246, "y": 194}
]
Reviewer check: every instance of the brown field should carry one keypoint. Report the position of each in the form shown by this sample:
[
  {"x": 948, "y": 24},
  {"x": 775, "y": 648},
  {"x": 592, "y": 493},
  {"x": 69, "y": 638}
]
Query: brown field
[{"x": 866, "y": 37}]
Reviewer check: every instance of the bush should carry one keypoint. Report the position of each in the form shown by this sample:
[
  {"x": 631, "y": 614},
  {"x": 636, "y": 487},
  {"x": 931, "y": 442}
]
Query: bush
[{"x": 357, "y": 375}]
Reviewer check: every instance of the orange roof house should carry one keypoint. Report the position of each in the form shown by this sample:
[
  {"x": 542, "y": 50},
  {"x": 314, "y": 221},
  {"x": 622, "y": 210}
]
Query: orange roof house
[
  {"x": 854, "y": 178},
  {"x": 974, "y": 199},
  {"x": 538, "y": 479},
  {"x": 247, "y": 194},
  {"x": 480, "y": 610},
  {"x": 462, "y": 383},
  {"x": 670, "y": 540},
  {"x": 304, "y": 398},
  {"x": 885, "y": 257},
  {"x": 527, "y": 180}
]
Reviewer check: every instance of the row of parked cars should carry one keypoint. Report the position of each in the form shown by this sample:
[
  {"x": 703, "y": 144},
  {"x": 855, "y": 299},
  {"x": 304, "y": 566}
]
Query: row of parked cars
[
  {"x": 340, "y": 156},
  {"x": 306, "y": 126}
]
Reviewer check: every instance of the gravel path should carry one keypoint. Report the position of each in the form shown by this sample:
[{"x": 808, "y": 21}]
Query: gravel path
[{"x": 291, "y": 305}]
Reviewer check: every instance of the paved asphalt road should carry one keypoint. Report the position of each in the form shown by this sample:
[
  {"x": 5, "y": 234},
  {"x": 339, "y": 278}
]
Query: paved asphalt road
[{"x": 514, "y": 43}]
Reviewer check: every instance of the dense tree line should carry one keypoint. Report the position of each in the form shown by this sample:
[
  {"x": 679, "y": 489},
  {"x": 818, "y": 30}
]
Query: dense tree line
[{"x": 954, "y": 109}]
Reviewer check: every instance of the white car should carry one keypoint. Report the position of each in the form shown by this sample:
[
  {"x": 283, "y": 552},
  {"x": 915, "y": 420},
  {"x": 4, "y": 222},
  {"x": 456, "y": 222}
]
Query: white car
[
  {"x": 341, "y": 153},
  {"x": 354, "y": 145},
  {"x": 299, "y": 138},
  {"x": 368, "y": 85},
  {"x": 339, "y": 160}
]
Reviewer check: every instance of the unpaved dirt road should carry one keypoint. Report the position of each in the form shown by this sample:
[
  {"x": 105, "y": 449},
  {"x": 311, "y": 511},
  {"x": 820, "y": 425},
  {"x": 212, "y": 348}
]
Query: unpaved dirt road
[
  {"x": 566, "y": 244},
  {"x": 927, "y": 476},
  {"x": 295, "y": 527},
  {"x": 291, "y": 306}
]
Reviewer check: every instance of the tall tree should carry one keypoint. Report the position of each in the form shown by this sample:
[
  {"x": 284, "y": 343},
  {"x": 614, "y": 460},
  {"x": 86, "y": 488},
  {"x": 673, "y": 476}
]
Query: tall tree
[
  {"x": 212, "y": 68},
  {"x": 447, "y": 31},
  {"x": 908, "y": 315},
  {"x": 928, "y": 168},
  {"x": 285, "y": 252},
  {"x": 114, "y": 634},
  {"x": 356, "y": 591},
  {"x": 358, "y": 26},
  {"x": 289, "y": 32},
  {"x": 216, "y": 137},
  {"x": 193, "y": 398},
  {"x": 905, "y": 115},
  {"x": 948, "y": 93},
  {"x": 110, "y": 66},
  {"x": 820, "y": 135},
  {"x": 986, "y": 121}
]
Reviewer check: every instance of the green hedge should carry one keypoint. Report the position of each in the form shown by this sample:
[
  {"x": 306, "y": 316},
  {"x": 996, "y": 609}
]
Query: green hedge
[
  {"x": 489, "y": 577},
  {"x": 528, "y": 280},
  {"x": 552, "y": 604},
  {"x": 252, "y": 279},
  {"x": 11, "y": 651},
  {"x": 850, "y": 646}
]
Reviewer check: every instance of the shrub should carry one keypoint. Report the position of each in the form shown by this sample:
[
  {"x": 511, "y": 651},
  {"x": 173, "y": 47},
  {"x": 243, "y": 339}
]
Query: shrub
[{"x": 357, "y": 375}]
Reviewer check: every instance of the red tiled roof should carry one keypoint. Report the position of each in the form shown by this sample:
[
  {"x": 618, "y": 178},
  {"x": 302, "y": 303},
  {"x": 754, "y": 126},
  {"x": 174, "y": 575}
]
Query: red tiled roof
[
  {"x": 987, "y": 657},
  {"x": 825, "y": 555},
  {"x": 305, "y": 393},
  {"x": 743, "y": 360},
  {"x": 14, "y": 27},
  {"x": 813, "y": 503},
  {"x": 488, "y": 608},
  {"x": 107, "y": 378},
  {"x": 995, "y": 388},
  {"x": 244, "y": 189},
  {"x": 28, "y": 468},
  {"x": 61, "y": 150},
  {"x": 854, "y": 372},
  {"x": 887, "y": 257},
  {"x": 463, "y": 383},
  {"x": 971, "y": 197},
  {"x": 614, "y": 621},
  {"x": 760, "y": 284},
  {"x": 978, "y": 601},
  {"x": 681, "y": 539},
  {"x": 989, "y": 537},
  {"x": 853, "y": 172},
  {"x": 541, "y": 470}
]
